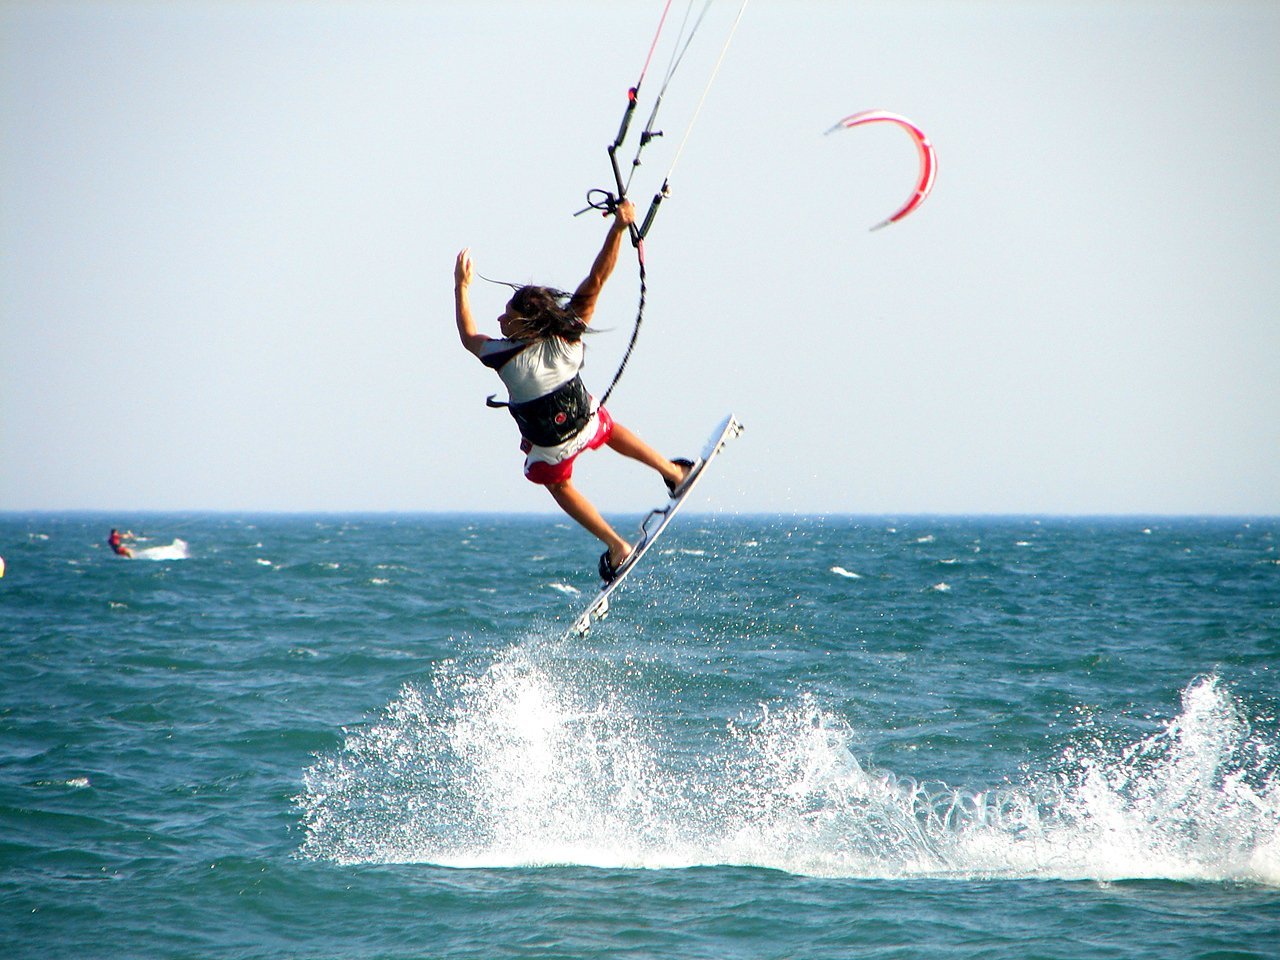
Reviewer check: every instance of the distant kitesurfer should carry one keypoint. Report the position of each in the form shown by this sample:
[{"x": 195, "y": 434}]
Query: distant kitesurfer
[
  {"x": 116, "y": 543},
  {"x": 539, "y": 358}
]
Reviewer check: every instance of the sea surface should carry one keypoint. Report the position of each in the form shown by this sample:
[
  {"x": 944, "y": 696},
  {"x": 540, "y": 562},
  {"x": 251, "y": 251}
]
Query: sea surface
[{"x": 793, "y": 737}]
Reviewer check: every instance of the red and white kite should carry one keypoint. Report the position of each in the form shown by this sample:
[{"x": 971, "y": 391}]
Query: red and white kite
[{"x": 928, "y": 162}]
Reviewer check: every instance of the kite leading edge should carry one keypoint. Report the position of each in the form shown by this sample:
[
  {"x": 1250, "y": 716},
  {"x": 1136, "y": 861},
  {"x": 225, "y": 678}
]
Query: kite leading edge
[{"x": 928, "y": 160}]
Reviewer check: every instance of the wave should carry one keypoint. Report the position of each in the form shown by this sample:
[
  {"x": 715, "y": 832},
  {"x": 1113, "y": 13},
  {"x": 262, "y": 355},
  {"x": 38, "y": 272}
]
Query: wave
[{"x": 522, "y": 765}]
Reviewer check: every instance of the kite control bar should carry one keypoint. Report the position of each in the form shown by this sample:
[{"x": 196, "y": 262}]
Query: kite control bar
[
  {"x": 606, "y": 201},
  {"x": 600, "y": 199}
]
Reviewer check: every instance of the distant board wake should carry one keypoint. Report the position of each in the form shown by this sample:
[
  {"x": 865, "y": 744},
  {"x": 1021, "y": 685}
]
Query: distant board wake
[
  {"x": 178, "y": 550},
  {"x": 653, "y": 525}
]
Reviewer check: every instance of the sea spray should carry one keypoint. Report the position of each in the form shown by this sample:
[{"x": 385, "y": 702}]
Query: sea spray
[
  {"x": 535, "y": 760},
  {"x": 1198, "y": 799},
  {"x": 510, "y": 766}
]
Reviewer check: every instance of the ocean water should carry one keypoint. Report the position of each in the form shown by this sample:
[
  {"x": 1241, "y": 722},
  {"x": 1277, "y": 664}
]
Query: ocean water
[{"x": 794, "y": 737}]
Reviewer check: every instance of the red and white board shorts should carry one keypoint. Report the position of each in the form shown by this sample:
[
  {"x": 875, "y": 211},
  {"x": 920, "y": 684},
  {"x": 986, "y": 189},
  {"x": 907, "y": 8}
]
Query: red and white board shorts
[{"x": 537, "y": 470}]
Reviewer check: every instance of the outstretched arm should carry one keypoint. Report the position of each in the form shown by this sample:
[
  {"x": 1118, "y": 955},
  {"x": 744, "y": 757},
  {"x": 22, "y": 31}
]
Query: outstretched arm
[
  {"x": 584, "y": 299},
  {"x": 462, "y": 271}
]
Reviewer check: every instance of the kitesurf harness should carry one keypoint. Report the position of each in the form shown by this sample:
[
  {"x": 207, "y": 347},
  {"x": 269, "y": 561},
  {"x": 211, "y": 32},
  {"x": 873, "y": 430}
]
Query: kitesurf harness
[{"x": 551, "y": 419}]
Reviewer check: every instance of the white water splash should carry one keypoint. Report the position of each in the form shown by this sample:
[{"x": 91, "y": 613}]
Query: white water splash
[
  {"x": 520, "y": 766},
  {"x": 178, "y": 550},
  {"x": 1198, "y": 799}
]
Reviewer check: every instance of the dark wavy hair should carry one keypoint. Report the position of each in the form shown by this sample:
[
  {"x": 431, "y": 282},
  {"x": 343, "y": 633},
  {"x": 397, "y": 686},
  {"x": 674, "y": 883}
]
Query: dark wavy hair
[{"x": 546, "y": 312}]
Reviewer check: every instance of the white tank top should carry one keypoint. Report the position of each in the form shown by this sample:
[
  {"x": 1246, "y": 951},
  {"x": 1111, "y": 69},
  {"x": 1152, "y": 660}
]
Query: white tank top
[{"x": 532, "y": 369}]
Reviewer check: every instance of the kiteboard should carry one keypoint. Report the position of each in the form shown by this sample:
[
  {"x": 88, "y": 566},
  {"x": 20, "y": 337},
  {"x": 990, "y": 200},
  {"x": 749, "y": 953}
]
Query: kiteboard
[{"x": 655, "y": 522}]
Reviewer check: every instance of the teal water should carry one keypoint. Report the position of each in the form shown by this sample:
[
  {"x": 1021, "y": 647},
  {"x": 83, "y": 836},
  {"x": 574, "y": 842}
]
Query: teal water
[{"x": 793, "y": 737}]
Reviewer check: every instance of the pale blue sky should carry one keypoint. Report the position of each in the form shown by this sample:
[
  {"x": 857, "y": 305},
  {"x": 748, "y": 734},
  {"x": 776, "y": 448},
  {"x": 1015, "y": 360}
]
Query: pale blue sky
[{"x": 228, "y": 229}]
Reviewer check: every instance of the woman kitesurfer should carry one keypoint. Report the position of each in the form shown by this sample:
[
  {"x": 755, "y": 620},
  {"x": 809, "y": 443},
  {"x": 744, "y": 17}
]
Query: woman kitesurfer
[{"x": 539, "y": 358}]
